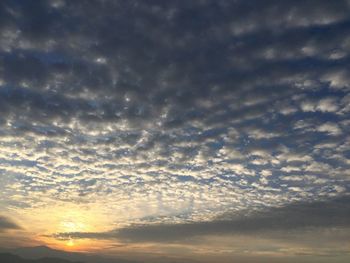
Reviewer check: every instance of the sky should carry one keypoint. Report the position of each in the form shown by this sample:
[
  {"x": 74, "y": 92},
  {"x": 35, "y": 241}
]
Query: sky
[{"x": 177, "y": 131}]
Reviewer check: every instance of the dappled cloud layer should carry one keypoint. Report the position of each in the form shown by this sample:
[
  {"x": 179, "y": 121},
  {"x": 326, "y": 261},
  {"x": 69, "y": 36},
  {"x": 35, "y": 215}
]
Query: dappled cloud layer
[{"x": 117, "y": 114}]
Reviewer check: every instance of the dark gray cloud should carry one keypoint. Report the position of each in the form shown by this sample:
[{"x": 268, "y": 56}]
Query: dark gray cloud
[
  {"x": 167, "y": 59},
  {"x": 7, "y": 224},
  {"x": 303, "y": 216}
]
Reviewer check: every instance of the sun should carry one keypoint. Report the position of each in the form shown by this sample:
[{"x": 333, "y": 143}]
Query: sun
[
  {"x": 69, "y": 219},
  {"x": 70, "y": 243}
]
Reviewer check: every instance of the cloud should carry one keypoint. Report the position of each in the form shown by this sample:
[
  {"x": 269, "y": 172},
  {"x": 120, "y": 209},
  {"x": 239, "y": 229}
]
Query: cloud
[
  {"x": 323, "y": 105},
  {"x": 188, "y": 110},
  {"x": 296, "y": 216},
  {"x": 330, "y": 128},
  {"x": 69, "y": 81},
  {"x": 7, "y": 224}
]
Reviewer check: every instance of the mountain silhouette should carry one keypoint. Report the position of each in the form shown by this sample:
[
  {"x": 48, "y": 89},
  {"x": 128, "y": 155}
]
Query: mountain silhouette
[
  {"x": 49, "y": 255},
  {"x": 10, "y": 258}
]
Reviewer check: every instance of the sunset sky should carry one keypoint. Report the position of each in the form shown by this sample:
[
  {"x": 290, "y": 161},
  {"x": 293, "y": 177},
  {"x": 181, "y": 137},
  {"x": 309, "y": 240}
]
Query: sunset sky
[{"x": 177, "y": 131}]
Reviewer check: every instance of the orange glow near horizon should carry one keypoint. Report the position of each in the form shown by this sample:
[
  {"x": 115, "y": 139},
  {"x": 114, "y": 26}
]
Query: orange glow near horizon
[{"x": 66, "y": 218}]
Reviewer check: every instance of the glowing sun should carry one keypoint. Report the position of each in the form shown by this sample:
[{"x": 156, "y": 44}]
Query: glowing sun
[{"x": 70, "y": 243}]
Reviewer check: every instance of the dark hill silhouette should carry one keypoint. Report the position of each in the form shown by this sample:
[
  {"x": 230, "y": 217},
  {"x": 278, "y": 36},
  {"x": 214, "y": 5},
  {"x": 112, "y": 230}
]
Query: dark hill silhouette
[
  {"x": 10, "y": 258},
  {"x": 47, "y": 253}
]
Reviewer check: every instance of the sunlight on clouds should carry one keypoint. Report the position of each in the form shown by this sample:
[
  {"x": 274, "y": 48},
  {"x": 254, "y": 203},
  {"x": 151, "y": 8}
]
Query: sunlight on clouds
[
  {"x": 57, "y": 217},
  {"x": 190, "y": 111}
]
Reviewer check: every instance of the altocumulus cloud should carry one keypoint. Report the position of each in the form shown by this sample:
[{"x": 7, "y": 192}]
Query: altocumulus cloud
[{"x": 174, "y": 111}]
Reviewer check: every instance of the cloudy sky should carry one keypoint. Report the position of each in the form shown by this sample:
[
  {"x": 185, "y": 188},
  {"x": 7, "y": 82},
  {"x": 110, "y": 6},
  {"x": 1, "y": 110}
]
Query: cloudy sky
[{"x": 202, "y": 130}]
